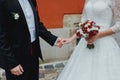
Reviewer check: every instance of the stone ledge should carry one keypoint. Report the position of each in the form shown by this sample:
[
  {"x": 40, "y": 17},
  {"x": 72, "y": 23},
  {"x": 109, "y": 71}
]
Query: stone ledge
[
  {"x": 70, "y": 19},
  {"x": 53, "y": 65},
  {"x": 47, "y": 71}
]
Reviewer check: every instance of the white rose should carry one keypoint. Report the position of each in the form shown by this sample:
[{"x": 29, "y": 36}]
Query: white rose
[{"x": 16, "y": 16}]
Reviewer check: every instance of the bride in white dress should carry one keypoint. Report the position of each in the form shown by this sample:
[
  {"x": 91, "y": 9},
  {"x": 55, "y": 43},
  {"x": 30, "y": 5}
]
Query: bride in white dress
[{"x": 102, "y": 62}]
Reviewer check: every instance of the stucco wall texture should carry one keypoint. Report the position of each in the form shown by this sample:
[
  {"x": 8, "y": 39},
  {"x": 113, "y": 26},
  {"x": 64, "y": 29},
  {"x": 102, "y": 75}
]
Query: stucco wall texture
[{"x": 51, "y": 12}]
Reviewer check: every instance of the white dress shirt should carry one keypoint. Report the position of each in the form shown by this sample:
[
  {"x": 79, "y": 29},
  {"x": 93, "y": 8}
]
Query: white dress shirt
[{"x": 29, "y": 16}]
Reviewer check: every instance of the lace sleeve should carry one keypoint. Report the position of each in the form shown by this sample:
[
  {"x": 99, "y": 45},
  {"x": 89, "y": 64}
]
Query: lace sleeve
[{"x": 116, "y": 10}]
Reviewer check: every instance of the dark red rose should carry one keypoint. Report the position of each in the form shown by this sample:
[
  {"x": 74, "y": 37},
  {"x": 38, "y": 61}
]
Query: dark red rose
[{"x": 78, "y": 34}]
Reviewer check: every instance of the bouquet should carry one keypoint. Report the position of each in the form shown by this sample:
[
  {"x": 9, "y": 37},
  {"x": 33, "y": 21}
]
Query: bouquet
[{"x": 87, "y": 29}]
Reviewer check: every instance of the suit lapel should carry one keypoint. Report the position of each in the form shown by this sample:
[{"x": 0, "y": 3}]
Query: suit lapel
[
  {"x": 33, "y": 6},
  {"x": 14, "y": 6}
]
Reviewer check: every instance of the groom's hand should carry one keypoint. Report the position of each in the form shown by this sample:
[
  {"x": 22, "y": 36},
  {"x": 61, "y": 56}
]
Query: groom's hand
[
  {"x": 18, "y": 70},
  {"x": 59, "y": 43}
]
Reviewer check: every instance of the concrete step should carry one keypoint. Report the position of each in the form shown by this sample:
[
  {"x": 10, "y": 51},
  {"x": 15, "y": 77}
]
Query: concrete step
[{"x": 47, "y": 71}]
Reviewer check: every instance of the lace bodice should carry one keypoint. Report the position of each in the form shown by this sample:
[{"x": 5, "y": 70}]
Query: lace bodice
[{"x": 106, "y": 13}]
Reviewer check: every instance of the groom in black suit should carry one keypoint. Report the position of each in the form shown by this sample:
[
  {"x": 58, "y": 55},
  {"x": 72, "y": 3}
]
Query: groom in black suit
[{"x": 20, "y": 28}]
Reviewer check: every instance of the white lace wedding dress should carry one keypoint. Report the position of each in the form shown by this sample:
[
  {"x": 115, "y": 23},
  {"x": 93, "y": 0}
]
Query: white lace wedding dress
[{"x": 102, "y": 62}]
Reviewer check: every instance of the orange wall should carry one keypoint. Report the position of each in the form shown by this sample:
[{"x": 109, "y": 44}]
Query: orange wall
[{"x": 52, "y": 11}]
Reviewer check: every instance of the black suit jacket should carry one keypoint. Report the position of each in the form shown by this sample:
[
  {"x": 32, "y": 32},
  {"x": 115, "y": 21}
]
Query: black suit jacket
[{"x": 14, "y": 34}]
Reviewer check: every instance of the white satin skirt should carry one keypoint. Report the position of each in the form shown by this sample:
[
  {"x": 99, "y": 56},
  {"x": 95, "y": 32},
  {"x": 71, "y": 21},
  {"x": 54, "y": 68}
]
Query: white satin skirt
[{"x": 100, "y": 63}]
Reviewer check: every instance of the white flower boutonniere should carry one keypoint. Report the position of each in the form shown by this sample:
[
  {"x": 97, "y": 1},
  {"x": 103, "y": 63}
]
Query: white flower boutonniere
[{"x": 16, "y": 15}]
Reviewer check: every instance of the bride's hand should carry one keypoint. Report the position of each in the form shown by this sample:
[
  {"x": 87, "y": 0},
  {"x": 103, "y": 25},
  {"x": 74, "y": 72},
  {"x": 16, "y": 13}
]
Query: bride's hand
[
  {"x": 93, "y": 39},
  {"x": 66, "y": 41}
]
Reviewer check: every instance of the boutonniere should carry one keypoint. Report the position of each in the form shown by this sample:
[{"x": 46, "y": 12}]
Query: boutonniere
[{"x": 15, "y": 15}]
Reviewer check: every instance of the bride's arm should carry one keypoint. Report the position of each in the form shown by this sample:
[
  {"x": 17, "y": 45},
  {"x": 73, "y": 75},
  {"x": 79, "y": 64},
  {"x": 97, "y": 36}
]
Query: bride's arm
[
  {"x": 115, "y": 28},
  {"x": 116, "y": 10},
  {"x": 69, "y": 40}
]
